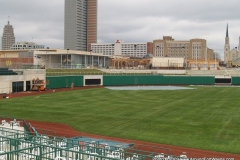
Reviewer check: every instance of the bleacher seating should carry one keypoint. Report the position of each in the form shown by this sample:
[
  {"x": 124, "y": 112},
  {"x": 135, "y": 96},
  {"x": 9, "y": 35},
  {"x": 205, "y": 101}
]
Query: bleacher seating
[
  {"x": 223, "y": 72},
  {"x": 6, "y": 71},
  {"x": 234, "y": 72}
]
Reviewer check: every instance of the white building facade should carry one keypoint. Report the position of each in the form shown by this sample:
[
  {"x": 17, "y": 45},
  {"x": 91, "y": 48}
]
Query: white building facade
[
  {"x": 119, "y": 48},
  {"x": 57, "y": 58},
  {"x": 26, "y": 45}
]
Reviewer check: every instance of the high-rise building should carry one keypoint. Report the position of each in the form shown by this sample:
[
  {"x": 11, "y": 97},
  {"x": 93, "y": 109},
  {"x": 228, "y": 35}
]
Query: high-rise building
[
  {"x": 80, "y": 24},
  {"x": 8, "y": 38}
]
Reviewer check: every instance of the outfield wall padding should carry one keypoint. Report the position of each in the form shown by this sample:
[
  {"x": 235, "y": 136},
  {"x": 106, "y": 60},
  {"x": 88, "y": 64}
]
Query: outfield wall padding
[
  {"x": 54, "y": 82},
  {"x": 235, "y": 80},
  {"x": 157, "y": 80}
]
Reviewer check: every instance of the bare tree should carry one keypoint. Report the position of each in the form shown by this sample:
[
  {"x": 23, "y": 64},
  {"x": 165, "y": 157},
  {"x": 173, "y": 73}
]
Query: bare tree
[{"x": 217, "y": 56}]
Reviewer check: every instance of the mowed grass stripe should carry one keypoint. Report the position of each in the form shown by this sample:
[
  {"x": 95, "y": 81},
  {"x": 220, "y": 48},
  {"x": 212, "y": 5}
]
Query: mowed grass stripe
[{"x": 205, "y": 117}]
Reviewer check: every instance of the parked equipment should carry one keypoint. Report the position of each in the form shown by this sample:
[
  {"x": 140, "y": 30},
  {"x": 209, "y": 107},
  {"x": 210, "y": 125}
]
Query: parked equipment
[{"x": 38, "y": 85}]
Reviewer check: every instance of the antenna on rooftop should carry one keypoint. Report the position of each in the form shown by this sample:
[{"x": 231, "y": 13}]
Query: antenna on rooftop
[{"x": 8, "y": 19}]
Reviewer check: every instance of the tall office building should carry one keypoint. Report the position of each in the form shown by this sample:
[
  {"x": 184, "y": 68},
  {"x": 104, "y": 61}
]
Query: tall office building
[
  {"x": 8, "y": 38},
  {"x": 80, "y": 24}
]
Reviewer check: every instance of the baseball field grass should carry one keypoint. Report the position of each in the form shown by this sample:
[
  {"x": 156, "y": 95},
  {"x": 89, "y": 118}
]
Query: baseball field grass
[{"x": 205, "y": 117}]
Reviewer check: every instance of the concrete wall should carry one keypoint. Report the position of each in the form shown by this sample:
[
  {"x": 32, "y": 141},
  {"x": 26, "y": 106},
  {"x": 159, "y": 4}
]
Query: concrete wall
[
  {"x": 26, "y": 75},
  {"x": 167, "y": 62}
]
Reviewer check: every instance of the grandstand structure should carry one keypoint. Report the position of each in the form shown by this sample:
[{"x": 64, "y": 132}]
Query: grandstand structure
[
  {"x": 6, "y": 71},
  {"x": 19, "y": 140}
]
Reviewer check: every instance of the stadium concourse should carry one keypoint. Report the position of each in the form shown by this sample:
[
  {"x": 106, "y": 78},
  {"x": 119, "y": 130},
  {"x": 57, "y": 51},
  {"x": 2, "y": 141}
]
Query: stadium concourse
[{"x": 68, "y": 132}]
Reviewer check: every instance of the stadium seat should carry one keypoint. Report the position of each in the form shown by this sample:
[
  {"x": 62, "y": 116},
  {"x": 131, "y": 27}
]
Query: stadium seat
[
  {"x": 60, "y": 158},
  {"x": 2, "y": 157},
  {"x": 15, "y": 123},
  {"x": 5, "y": 123}
]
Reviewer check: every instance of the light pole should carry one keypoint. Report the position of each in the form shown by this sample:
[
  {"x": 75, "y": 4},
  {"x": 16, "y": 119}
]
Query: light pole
[
  {"x": 196, "y": 57},
  {"x": 67, "y": 57},
  {"x": 185, "y": 63},
  {"x": 4, "y": 55},
  {"x": 113, "y": 46},
  {"x": 206, "y": 56},
  {"x": 90, "y": 58},
  {"x": 135, "y": 48},
  {"x": 215, "y": 60},
  {"x": 46, "y": 57},
  {"x": 157, "y": 55}
]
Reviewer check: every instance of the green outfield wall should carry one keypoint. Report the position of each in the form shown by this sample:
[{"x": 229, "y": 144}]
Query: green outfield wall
[
  {"x": 121, "y": 80},
  {"x": 235, "y": 80},
  {"x": 157, "y": 80},
  {"x": 63, "y": 81}
]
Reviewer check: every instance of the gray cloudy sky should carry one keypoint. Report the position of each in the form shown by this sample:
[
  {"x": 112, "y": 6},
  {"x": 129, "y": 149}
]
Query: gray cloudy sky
[{"x": 129, "y": 20}]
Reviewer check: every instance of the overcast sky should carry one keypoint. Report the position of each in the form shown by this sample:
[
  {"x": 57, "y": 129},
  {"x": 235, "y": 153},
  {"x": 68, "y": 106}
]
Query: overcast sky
[{"x": 42, "y": 21}]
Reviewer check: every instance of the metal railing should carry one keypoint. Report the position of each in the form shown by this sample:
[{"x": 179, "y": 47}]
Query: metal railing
[
  {"x": 16, "y": 144},
  {"x": 99, "y": 73},
  {"x": 17, "y": 65}
]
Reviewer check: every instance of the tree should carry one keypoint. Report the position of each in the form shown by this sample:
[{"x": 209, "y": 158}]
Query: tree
[{"x": 217, "y": 56}]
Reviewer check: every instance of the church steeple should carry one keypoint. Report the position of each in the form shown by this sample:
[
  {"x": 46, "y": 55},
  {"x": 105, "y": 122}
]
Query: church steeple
[
  {"x": 227, "y": 40},
  {"x": 227, "y": 47},
  {"x": 227, "y": 31}
]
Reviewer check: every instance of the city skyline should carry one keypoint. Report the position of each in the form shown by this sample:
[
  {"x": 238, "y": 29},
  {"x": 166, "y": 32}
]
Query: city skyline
[{"x": 131, "y": 21}]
